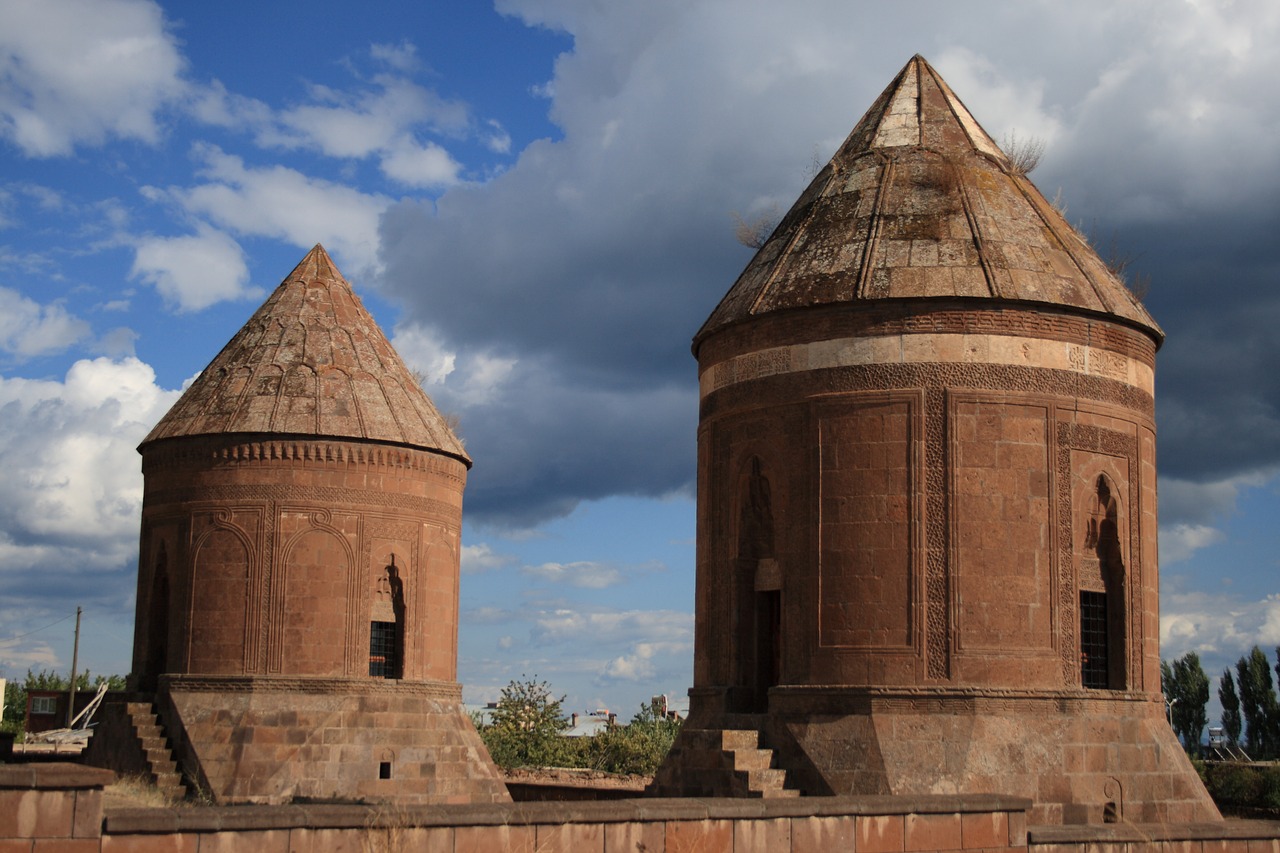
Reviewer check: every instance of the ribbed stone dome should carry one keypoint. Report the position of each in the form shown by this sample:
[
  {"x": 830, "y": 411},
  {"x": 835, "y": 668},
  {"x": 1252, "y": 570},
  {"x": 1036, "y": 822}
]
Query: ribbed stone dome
[
  {"x": 919, "y": 203},
  {"x": 311, "y": 361}
]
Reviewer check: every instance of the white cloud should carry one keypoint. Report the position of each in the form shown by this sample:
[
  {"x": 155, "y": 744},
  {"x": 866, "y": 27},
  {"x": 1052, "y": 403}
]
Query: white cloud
[
  {"x": 29, "y": 329},
  {"x": 612, "y": 626},
  {"x": 584, "y": 574},
  {"x": 285, "y": 204},
  {"x": 1179, "y": 541},
  {"x": 72, "y": 492},
  {"x": 457, "y": 380},
  {"x": 403, "y": 57},
  {"x": 422, "y": 351},
  {"x": 194, "y": 271},
  {"x": 76, "y": 72},
  {"x": 416, "y": 164},
  {"x": 213, "y": 104},
  {"x": 482, "y": 558},
  {"x": 1216, "y": 626},
  {"x": 382, "y": 122},
  {"x": 641, "y": 663},
  {"x": 17, "y": 655}
]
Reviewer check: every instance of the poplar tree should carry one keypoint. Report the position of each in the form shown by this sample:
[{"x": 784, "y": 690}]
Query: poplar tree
[
  {"x": 1258, "y": 704},
  {"x": 1187, "y": 687},
  {"x": 1230, "y": 707}
]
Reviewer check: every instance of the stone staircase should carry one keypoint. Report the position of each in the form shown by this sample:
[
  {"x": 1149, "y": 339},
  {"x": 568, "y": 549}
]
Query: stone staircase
[
  {"x": 721, "y": 763},
  {"x": 155, "y": 747}
]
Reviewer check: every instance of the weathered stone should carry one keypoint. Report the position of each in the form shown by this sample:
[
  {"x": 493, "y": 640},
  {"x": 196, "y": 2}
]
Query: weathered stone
[
  {"x": 927, "y": 497},
  {"x": 297, "y": 605}
]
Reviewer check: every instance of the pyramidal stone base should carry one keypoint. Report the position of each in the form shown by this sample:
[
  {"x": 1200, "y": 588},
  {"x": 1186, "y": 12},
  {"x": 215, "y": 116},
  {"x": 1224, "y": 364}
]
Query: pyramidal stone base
[
  {"x": 280, "y": 740},
  {"x": 1082, "y": 759}
]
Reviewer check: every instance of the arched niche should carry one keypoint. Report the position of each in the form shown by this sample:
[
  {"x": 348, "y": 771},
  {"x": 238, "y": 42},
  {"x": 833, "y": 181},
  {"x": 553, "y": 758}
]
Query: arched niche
[
  {"x": 387, "y": 621},
  {"x": 219, "y": 603},
  {"x": 759, "y": 585},
  {"x": 316, "y": 603},
  {"x": 1103, "y": 634}
]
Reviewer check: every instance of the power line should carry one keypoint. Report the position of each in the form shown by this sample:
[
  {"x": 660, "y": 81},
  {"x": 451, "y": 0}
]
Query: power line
[{"x": 38, "y": 630}]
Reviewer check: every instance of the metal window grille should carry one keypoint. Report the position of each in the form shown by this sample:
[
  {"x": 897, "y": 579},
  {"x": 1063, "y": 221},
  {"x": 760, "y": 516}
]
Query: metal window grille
[
  {"x": 1093, "y": 640},
  {"x": 382, "y": 650}
]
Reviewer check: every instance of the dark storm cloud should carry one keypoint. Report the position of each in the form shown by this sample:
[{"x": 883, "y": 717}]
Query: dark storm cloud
[{"x": 594, "y": 259}]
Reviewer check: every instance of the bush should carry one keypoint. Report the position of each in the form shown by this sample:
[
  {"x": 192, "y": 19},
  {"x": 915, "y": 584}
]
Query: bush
[
  {"x": 1247, "y": 790},
  {"x": 527, "y": 725},
  {"x": 637, "y": 748}
]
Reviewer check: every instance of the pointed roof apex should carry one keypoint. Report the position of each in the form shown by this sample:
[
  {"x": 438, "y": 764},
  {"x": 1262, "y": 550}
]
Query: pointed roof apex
[
  {"x": 311, "y": 361},
  {"x": 920, "y": 203},
  {"x": 918, "y": 108}
]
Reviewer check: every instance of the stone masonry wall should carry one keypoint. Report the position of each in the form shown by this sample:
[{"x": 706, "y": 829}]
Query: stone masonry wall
[{"x": 59, "y": 807}]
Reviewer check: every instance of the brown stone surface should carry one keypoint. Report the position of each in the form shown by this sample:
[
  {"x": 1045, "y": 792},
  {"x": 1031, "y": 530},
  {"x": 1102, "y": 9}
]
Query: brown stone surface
[
  {"x": 920, "y": 203},
  {"x": 297, "y": 606},
  {"x": 275, "y": 741},
  {"x": 927, "y": 495},
  {"x": 310, "y": 361}
]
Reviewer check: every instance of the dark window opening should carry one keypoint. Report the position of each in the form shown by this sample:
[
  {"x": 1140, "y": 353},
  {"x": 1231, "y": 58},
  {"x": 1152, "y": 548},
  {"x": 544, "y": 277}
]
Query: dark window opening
[
  {"x": 383, "y": 660},
  {"x": 1110, "y": 814},
  {"x": 1094, "y": 672},
  {"x": 384, "y": 770}
]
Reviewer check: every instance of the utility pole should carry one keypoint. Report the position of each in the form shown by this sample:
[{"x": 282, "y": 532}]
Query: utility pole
[{"x": 75, "y": 658}]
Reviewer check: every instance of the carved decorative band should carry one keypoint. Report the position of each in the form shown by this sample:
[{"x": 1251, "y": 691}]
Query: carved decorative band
[
  {"x": 312, "y": 451},
  {"x": 323, "y": 495},
  {"x": 930, "y": 349},
  {"x": 442, "y": 690},
  {"x": 1065, "y": 701},
  {"x": 890, "y": 318},
  {"x": 782, "y": 389}
]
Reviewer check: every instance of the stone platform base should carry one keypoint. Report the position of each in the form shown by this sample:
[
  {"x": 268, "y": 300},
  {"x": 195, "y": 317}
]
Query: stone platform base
[
  {"x": 1080, "y": 758},
  {"x": 281, "y": 740}
]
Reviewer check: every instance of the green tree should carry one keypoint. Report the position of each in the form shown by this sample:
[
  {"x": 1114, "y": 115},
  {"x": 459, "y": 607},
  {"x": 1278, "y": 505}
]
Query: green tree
[
  {"x": 1189, "y": 716},
  {"x": 1258, "y": 704},
  {"x": 637, "y": 747},
  {"x": 1187, "y": 687},
  {"x": 1230, "y": 707},
  {"x": 524, "y": 730}
]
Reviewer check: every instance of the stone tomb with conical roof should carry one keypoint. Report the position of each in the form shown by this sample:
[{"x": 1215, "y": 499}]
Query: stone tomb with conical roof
[
  {"x": 926, "y": 555},
  {"x": 297, "y": 604}
]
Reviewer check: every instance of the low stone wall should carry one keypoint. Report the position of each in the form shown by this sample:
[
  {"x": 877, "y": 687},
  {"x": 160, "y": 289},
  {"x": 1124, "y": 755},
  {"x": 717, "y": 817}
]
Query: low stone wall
[{"x": 60, "y": 808}]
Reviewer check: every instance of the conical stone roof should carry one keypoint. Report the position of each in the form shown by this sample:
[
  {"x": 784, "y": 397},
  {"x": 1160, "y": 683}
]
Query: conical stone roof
[
  {"x": 311, "y": 361},
  {"x": 920, "y": 203}
]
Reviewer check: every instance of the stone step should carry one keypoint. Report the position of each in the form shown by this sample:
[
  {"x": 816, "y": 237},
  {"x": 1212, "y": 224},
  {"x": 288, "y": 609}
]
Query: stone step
[
  {"x": 752, "y": 759},
  {"x": 768, "y": 779},
  {"x": 170, "y": 783},
  {"x": 734, "y": 739}
]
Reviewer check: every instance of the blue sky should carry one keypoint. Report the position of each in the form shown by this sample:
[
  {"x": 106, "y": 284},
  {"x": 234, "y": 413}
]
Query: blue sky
[{"x": 536, "y": 201}]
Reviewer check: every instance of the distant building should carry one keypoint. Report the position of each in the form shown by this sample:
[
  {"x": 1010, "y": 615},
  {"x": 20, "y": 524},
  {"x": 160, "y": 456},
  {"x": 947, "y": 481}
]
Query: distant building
[{"x": 47, "y": 709}]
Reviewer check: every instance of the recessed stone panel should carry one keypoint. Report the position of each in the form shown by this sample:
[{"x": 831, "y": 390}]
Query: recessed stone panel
[
  {"x": 1001, "y": 526},
  {"x": 866, "y": 490},
  {"x": 220, "y": 587}
]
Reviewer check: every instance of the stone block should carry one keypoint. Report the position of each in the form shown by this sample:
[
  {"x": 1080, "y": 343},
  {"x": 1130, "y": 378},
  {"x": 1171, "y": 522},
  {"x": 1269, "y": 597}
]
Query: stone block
[
  {"x": 984, "y": 829},
  {"x": 879, "y": 834},
  {"x": 495, "y": 839},
  {"x": 634, "y": 836},
  {"x": 932, "y": 832},
  {"x": 37, "y": 813},
  {"x": 172, "y": 843},
  {"x": 699, "y": 836}
]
